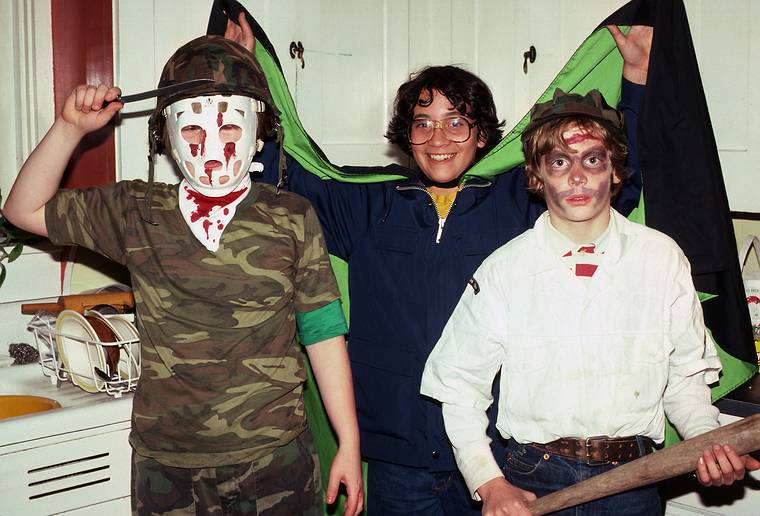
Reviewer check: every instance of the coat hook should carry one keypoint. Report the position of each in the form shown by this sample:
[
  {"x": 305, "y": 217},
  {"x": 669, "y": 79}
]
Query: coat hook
[
  {"x": 530, "y": 55},
  {"x": 296, "y": 52}
]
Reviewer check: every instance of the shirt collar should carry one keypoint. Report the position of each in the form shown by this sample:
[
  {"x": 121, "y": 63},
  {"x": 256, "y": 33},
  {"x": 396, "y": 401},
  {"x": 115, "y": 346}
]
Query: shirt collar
[{"x": 552, "y": 244}]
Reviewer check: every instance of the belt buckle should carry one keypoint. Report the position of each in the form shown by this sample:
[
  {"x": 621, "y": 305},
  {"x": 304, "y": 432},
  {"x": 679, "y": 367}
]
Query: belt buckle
[{"x": 587, "y": 444}]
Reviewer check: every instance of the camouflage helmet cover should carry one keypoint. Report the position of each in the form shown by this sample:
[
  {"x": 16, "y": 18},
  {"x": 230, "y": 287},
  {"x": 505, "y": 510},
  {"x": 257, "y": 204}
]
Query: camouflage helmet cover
[
  {"x": 565, "y": 105},
  {"x": 233, "y": 69}
]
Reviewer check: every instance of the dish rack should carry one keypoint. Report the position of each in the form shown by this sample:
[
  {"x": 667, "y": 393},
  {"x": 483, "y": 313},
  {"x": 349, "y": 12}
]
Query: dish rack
[{"x": 90, "y": 377}]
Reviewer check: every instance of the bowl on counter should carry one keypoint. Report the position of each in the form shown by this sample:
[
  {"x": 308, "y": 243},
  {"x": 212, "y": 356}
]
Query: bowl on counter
[{"x": 19, "y": 405}]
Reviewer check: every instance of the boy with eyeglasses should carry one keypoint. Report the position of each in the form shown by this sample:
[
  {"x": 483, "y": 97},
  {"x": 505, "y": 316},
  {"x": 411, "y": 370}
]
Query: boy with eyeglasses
[
  {"x": 596, "y": 328},
  {"x": 411, "y": 247}
]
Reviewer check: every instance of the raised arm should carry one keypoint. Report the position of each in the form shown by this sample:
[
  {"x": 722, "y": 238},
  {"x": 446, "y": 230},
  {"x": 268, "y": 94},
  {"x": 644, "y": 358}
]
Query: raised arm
[
  {"x": 635, "y": 48},
  {"x": 40, "y": 176}
]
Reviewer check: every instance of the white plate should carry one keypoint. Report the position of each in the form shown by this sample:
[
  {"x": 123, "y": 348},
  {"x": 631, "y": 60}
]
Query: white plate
[
  {"x": 74, "y": 338},
  {"x": 129, "y": 363}
]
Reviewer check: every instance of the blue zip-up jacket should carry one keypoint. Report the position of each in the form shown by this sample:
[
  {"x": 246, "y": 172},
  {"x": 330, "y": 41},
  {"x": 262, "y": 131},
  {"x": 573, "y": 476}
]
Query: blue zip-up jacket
[{"x": 404, "y": 285}]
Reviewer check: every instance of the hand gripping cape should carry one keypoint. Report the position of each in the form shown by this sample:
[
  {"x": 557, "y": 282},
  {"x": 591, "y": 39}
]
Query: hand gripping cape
[{"x": 683, "y": 196}]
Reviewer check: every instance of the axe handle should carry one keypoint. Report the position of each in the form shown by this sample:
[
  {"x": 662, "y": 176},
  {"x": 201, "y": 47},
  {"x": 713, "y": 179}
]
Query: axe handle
[{"x": 743, "y": 436}]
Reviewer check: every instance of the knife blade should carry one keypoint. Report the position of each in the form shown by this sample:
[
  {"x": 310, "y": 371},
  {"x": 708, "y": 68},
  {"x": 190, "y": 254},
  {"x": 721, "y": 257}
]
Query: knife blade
[{"x": 166, "y": 90}]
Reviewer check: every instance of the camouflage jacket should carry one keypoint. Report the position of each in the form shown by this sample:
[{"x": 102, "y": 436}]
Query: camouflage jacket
[{"x": 221, "y": 375}]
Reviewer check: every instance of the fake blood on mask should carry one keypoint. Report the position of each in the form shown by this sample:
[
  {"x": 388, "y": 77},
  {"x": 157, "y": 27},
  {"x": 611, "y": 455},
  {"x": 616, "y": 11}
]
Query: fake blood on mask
[
  {"x": 194, "y": 146},
  {"x": 229, "y": 151},
  {"x": 219, "y": 120}
]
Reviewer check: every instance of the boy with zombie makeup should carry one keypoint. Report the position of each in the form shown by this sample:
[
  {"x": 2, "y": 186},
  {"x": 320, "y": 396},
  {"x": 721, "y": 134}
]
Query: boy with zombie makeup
[
  {"x": 411, "y": 246},
  {"x": 225, "y": 274},
  {"x": 595, "y": 325}
]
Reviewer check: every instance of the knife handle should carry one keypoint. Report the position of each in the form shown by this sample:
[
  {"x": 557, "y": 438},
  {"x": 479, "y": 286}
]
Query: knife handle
[{"x": 117, "y": 99}]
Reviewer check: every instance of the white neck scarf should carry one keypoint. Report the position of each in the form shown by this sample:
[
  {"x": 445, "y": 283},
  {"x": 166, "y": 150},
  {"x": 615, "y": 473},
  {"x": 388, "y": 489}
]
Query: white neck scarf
[{"x": 208, "y": 217}]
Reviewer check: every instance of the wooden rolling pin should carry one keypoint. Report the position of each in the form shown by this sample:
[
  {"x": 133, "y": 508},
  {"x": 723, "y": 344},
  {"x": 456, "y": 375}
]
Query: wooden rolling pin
[
  {"x": 743, "y": 436},
  {"x": 122, "y": 301}
]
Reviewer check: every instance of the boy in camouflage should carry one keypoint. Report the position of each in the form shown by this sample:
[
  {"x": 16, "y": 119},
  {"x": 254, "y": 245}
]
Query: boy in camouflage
[{"x": 224, "y": 275}]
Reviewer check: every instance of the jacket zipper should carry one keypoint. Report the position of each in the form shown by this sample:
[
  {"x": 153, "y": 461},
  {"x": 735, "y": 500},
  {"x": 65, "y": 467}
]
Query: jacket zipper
[{"x": 441, "y": 220}]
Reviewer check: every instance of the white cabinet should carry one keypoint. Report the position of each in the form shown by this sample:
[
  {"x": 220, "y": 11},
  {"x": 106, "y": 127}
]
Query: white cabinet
[
  {"x": 356, "y": 54},
  {"x": 506, "y": 31},
  {"x": 74, "y": 458},
  {"x": 85, "y": 471},
  {"x": 727, "y": 52}
]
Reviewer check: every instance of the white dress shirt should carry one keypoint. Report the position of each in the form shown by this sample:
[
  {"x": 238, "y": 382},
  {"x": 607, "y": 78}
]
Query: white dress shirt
[{"x": 580, "y": 357}]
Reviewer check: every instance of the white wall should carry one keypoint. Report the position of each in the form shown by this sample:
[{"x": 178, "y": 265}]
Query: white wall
[
  {"x": 27, "y": 111},
  {"x": 728, "y": 52},
  {"x": 26, "y": 103}
]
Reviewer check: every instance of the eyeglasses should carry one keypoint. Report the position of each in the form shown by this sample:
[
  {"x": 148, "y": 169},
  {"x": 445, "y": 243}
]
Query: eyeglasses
[{"x": 456, "y": 129}]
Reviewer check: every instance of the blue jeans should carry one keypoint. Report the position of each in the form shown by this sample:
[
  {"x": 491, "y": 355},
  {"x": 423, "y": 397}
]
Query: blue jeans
[
  {"x": 400, "y": 490},
  {"x": 542, "y": 473}
]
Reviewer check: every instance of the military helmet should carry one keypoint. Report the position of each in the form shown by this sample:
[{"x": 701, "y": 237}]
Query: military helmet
[{"x": 233, "y": 69}]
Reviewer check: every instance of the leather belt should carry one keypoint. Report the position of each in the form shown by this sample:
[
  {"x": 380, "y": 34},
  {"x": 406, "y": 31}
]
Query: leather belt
[{"x": 598, "y": 450}]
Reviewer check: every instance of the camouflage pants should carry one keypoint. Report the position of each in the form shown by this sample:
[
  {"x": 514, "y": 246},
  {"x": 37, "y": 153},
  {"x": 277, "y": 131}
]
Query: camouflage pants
[{"x": 285, "y": 482}]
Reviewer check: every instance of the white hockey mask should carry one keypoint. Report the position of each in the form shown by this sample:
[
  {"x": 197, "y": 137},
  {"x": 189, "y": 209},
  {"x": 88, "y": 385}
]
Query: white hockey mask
[{"x": 213, "y": 140}]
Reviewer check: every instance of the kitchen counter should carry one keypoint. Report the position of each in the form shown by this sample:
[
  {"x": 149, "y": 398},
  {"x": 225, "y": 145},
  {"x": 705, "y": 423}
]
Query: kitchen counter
[
  {"x": 73, "y": 459},
  {"x": 79, "y": 410}
]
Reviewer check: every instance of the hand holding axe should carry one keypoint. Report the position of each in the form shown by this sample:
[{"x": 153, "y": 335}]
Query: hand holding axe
[{"x": 743, "y": 436}]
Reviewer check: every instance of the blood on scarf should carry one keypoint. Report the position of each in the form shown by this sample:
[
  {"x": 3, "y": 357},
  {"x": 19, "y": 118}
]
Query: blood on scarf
[{"x": 205, "y": 204}]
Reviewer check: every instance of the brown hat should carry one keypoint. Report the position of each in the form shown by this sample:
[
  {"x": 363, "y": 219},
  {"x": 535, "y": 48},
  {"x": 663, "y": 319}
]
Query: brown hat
[{"x": 562, "y": 105}]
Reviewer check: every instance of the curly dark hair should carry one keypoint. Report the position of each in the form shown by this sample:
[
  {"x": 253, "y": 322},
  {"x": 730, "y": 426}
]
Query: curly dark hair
[{"x": 467, "y": 93}]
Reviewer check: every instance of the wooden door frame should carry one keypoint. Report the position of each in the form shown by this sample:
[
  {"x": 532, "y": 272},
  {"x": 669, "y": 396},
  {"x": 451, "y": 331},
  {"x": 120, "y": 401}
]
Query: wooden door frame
[
  {"x": 82, "y": 32},
  {"x": 82, "y": 37}
]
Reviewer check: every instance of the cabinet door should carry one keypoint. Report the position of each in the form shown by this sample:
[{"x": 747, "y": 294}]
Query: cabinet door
[
  {"x": 555, "y": 29},
  {"x": 355, "y": 56},
  {"x": 62, "y": 476},
  {"x": 357, "y": 53},
  {"x": 724, "y": 43},
  {"x": 147, "y": 32}
]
